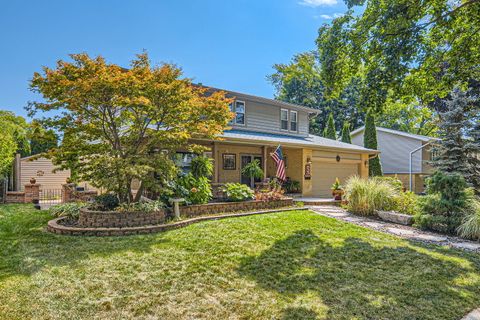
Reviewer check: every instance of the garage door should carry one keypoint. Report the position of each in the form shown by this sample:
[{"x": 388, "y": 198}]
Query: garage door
[{"x": 324, "y": 175}]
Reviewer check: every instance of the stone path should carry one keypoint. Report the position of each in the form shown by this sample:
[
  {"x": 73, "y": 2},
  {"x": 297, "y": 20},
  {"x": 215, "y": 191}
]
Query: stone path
[
  {"x": 474, "y": 315},
  {"x": 406, "y": 232}
]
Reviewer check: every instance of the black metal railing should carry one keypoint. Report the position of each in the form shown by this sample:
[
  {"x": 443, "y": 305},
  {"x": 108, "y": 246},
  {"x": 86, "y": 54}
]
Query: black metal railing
[{"x": 50, "y": 196}]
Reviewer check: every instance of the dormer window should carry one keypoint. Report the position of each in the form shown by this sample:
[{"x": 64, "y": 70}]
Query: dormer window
[
  {"x": 238, "y": 107},
  {"x": 284, "y": 119},
  {"x": 293, "y": 121}
]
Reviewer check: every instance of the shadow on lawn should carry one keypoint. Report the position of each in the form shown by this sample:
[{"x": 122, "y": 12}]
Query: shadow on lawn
[
  {"x": 26, "y": 247},
  {"x": 358, "y": 280}
]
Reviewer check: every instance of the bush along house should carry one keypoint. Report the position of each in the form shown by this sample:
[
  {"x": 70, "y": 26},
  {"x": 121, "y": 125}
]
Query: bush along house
[{"x": 261, "y": 125}]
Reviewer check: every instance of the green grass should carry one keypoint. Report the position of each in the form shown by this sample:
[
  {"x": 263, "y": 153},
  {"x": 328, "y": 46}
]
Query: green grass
[{"x": 290, "y": 265}]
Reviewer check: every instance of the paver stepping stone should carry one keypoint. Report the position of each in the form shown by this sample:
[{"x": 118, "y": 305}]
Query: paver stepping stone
[
  {"x": 374, "y": 224},
  {"x": 430, "y": 237},
  {"x": 466, "y": 245},
  {"x": 401, "y": 232},
  {"x": 353, "y": 219},
  {"x": 337, "y": 214},
  {"x": 474, "y": 315}
]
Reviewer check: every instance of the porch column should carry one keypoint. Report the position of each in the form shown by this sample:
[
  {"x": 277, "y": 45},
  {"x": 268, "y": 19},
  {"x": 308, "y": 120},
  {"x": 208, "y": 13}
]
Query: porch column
[
  {"x": 264, "y": 150},
  {"x": 215, "y": 162},
  {"x": 363, "y": 166}
]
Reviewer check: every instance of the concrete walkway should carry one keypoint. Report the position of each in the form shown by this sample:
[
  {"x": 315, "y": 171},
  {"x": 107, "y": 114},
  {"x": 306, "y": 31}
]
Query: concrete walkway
[
  {"x": 474, "y": 315},
  {"x": 406, "y": 232}
]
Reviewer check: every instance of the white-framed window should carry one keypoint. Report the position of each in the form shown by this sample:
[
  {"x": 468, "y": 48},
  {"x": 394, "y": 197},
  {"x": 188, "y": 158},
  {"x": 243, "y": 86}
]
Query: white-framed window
[
  {"x": 284, "y": 119},
  {"x": 238, "y": 107},
  {"x": 293, "y": 121}
]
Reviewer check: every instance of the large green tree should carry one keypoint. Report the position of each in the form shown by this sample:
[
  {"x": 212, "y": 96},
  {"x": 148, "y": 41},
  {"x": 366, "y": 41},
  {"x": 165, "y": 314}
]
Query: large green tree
[
  {"x": 329, "y": 131},
  {"x": 346, "y": 133},
  {"x": 370, "y": 142},
  {"x": 459, "y": 147},
  {"x": 41, "y": 139},
  {"x": 119, "y": 125},
  {"x": 401, "y": 49},
  {"x": 300, "y": 82},
  {"x": 17, "y": 127}
]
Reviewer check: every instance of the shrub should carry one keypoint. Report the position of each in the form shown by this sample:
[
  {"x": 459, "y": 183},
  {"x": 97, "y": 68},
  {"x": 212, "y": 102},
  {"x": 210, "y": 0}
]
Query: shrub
[
  {"x": 470, "y": 226},
  {"x": 202, "y": 167},
  {"x": 142, "y": 206},
  {"x": 393, "y": 181},
  {"x": 365, "y": 196},
  {"x": 253, "y": 170},
  {"x": 69, "y": 209},
  {"x": 270, "y": 195},
  {"x": 446, "y": 203},
  {"x": 199, "y": 189},
  {"x": 292, "y": 186},
  {"x": 237, "y": 192},
  {"x": 406, "y": 203},
  {"x": 105, "y": 202}
]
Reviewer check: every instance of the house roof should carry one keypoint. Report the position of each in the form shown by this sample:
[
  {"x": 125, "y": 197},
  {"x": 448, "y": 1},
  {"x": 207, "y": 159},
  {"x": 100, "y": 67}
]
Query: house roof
[
  {"x": 311, "y": 140},
  {"x": 264, "y": 100},
  {"x": 397, "y": 132}
]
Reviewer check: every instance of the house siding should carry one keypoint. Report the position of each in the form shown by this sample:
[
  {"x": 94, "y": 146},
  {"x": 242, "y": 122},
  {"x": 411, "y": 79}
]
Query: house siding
[
  {"x": 263, "y": 117},
  {"x": 395, "y": 152},
  {"x": 42, "y": 170}
]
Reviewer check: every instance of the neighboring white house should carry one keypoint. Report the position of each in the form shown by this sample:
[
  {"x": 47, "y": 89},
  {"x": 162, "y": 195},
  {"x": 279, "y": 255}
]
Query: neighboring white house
[
  {"x": 395, "y": 147},
  {"x": 42, "y": 169}
]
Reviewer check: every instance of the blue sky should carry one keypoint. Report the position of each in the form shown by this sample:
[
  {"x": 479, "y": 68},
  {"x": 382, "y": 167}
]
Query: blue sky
[{"x": 222, "y": 43}]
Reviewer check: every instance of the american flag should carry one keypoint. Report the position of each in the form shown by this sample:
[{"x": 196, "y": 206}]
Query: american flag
[{"x": 277, "y": 156}]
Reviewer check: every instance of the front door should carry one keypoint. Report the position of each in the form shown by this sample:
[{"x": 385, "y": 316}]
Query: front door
[{"x": 246, "y": 159}]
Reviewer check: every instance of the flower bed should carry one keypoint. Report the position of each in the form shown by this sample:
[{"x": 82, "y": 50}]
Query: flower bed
[
  {"x": 114, "y": 219},
  {"x": 114, "y": 223},
  {"x": 217, "y": 207}
]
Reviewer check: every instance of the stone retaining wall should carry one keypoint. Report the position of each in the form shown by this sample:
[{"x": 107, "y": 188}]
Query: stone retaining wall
[
  {"x": 56, "y": 226},
  {"x": 220, "y": 207},
  {"x": 15, "y": 197},
  {"x": 113, "y": 219}
]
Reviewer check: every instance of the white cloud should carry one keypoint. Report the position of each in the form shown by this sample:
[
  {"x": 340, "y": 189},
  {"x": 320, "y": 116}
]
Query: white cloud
[
  {"x": 325, "y": 16},
  {"x": 329, "y": 17},
  {"x": 317, "y": 3}
]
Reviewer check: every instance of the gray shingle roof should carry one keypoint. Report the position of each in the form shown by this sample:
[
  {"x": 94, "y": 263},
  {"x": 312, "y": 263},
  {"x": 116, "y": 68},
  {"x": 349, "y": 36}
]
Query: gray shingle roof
[{"x": 309, "y": 141}]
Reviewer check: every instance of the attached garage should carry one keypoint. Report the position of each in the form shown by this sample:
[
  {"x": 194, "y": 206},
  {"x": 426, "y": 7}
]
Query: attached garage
[{"x": 325, "y": 173}]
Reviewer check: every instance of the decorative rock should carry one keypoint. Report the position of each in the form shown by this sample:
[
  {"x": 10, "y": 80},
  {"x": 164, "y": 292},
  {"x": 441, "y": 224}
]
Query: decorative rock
[{"x": 396, "y": 217}]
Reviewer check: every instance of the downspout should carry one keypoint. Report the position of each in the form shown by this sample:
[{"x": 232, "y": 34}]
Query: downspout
[{"x": 410, "y": 161}]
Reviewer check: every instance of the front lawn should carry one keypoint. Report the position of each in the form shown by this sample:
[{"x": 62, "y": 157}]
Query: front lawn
[{"x": 291, "y": 265}]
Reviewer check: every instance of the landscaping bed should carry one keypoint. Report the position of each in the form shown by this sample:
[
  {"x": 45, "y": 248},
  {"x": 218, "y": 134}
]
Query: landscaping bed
[
  {"x": 115, "y": 223},
  {"x": 64, "y": 226}
]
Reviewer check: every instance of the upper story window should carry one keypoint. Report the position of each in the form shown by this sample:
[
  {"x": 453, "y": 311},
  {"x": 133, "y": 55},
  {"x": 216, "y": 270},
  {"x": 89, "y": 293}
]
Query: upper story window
[
  {"x": 293, "y": 121},
  {"x": 284, "y": 119},
  {"x": 238, "y": 107}
]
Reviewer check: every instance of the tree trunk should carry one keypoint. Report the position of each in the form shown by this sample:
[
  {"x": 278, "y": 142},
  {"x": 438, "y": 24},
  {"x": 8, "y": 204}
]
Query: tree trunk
[{"x": 139, "y": 192}]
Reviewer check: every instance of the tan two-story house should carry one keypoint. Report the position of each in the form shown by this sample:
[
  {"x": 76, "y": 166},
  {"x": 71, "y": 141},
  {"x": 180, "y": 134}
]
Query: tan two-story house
[{"x": 262, "y": 124}]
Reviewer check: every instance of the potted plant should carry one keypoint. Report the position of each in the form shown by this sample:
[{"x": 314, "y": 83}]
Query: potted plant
[
  {"x": 337, "y": 190},
  {"x": 253, "y": 170},
  {"x": 33, "y": 180}
]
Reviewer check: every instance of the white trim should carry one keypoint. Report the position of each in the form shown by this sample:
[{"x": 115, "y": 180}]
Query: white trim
[{"x": 244, "y": 113}]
